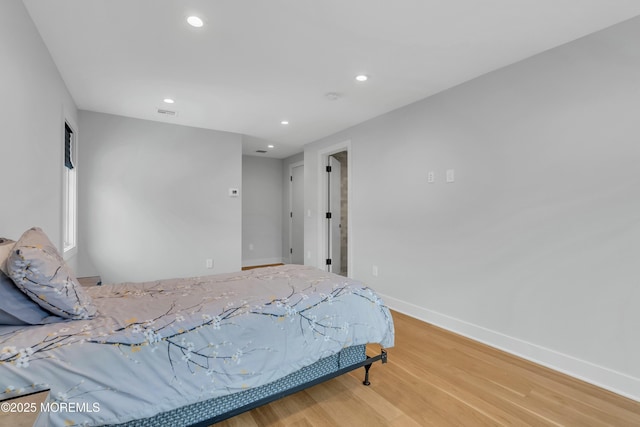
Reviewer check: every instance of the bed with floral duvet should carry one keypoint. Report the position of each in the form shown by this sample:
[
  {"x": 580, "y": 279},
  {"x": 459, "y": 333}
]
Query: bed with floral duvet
[{"x": 134, "y": 351}]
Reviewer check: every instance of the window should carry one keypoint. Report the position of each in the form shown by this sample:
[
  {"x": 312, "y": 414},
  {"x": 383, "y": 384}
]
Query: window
[{"x": 70, "y": 191}]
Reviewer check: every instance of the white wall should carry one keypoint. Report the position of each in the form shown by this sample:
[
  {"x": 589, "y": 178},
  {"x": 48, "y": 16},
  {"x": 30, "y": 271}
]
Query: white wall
[
  {"x": 154, "y": 199},
  {"x": 35, "y": 104},
  {"x": 534, "y": 247},
  {"x": 262, "y": 194}
]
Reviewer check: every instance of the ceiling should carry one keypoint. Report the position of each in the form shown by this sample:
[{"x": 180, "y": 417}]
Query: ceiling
[{"x": 255, "y": 63}]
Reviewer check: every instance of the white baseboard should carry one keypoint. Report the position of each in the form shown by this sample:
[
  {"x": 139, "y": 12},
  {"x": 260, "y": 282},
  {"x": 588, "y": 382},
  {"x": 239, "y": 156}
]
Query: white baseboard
[{"x": 600, "y": 376}]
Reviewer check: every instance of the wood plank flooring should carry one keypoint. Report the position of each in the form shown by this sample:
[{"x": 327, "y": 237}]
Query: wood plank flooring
[
  {"x": 251, "y": 267},
  {"x": 437, "y": 378}
]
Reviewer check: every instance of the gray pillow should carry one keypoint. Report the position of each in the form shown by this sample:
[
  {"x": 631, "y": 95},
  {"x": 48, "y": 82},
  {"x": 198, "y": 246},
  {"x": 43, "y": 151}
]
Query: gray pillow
[
  {"x": 18, "y": 309},
  {"x": 37, "y": 268}
]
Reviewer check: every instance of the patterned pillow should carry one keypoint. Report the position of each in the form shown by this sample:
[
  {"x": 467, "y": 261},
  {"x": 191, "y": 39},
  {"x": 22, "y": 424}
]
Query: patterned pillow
[
  {"x": 5, "y": 247},
  {"x": 18, "y": 309},
  {"x": 15, "y": 307},
  {"x": 39, "y": 271}
]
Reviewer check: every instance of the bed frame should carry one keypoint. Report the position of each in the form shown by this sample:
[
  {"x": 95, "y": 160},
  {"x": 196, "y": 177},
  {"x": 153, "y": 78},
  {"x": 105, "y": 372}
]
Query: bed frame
[{"x": 212, "y": 411}]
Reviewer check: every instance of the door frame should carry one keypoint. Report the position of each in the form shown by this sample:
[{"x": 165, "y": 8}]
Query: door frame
[
  {"x": 334, "y": 233},
  {"x": 323, "y": 241},
  {"x": 291, "y": 167}
]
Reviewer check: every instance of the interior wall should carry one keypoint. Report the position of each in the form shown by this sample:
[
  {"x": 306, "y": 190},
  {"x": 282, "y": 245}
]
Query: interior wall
[
  {"x": 154, "y": 199},
  {"x": 35, "y": 105},
  {"x": 262, "y": 198},
  {"x": 534, "y": 247}
]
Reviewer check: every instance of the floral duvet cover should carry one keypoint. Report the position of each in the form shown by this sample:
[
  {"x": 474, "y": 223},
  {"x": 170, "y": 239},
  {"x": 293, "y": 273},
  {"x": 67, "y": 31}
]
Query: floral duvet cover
[{"x": 157, "y": 346}]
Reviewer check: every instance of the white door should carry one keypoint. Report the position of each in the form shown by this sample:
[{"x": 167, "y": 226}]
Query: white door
[
  {"x": 334, "y": 198},
  {"x": 297, "y": 215}
]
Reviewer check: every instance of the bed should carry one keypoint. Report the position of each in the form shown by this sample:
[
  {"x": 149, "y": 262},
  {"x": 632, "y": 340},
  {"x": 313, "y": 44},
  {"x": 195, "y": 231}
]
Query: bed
[{"x": 188, "y": 351}]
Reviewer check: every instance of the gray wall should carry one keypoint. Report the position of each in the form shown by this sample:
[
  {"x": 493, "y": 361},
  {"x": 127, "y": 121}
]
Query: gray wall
[
  {"x": 262, "y": 194},
  {"x": 35, "y": 104},
  {"x": 154, "y": 199},
  {"x": 534, "y": 247}
]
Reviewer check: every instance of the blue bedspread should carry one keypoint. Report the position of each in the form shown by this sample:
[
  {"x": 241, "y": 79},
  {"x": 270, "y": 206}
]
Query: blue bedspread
[{"x": 156, "y": 346}]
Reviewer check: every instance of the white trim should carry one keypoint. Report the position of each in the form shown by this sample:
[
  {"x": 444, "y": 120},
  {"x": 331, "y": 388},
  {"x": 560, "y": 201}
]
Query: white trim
[
  {"x": 323, "y": 155},
  {"x": 292, "y": 166},
  {"x": 69, "y": 252},
  {"x": 617, "y": 382}
]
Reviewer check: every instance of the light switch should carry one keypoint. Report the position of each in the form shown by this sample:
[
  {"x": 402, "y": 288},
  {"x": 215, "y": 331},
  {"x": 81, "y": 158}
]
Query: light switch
[{"x": 450, "y": 175}]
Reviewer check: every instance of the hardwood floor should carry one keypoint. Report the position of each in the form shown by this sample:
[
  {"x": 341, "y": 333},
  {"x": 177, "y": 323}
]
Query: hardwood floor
[
  {"x": 437, "y": 378},
  {"x": 260, "y": 266}
]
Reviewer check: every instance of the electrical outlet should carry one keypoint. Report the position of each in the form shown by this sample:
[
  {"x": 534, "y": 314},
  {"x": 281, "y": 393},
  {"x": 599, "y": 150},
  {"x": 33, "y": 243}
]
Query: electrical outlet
[
  {"x": 431, "y": 177},
  {"x": 209, "y": 262}
]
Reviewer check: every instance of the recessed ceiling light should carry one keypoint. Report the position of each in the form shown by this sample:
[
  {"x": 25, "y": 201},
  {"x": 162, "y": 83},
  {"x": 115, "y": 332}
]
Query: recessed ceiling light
[
  {"x": 284, "y": 122},
  {"x": 194, "y": 21},
  {"x": 168, "y": 101},
  {"x": 362, "y": 77},
  {"x": 270, "y": 146}
]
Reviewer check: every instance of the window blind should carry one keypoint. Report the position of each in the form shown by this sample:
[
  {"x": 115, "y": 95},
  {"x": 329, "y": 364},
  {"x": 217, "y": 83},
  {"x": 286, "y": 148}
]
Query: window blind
[{"x": 68, "y": 146}]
